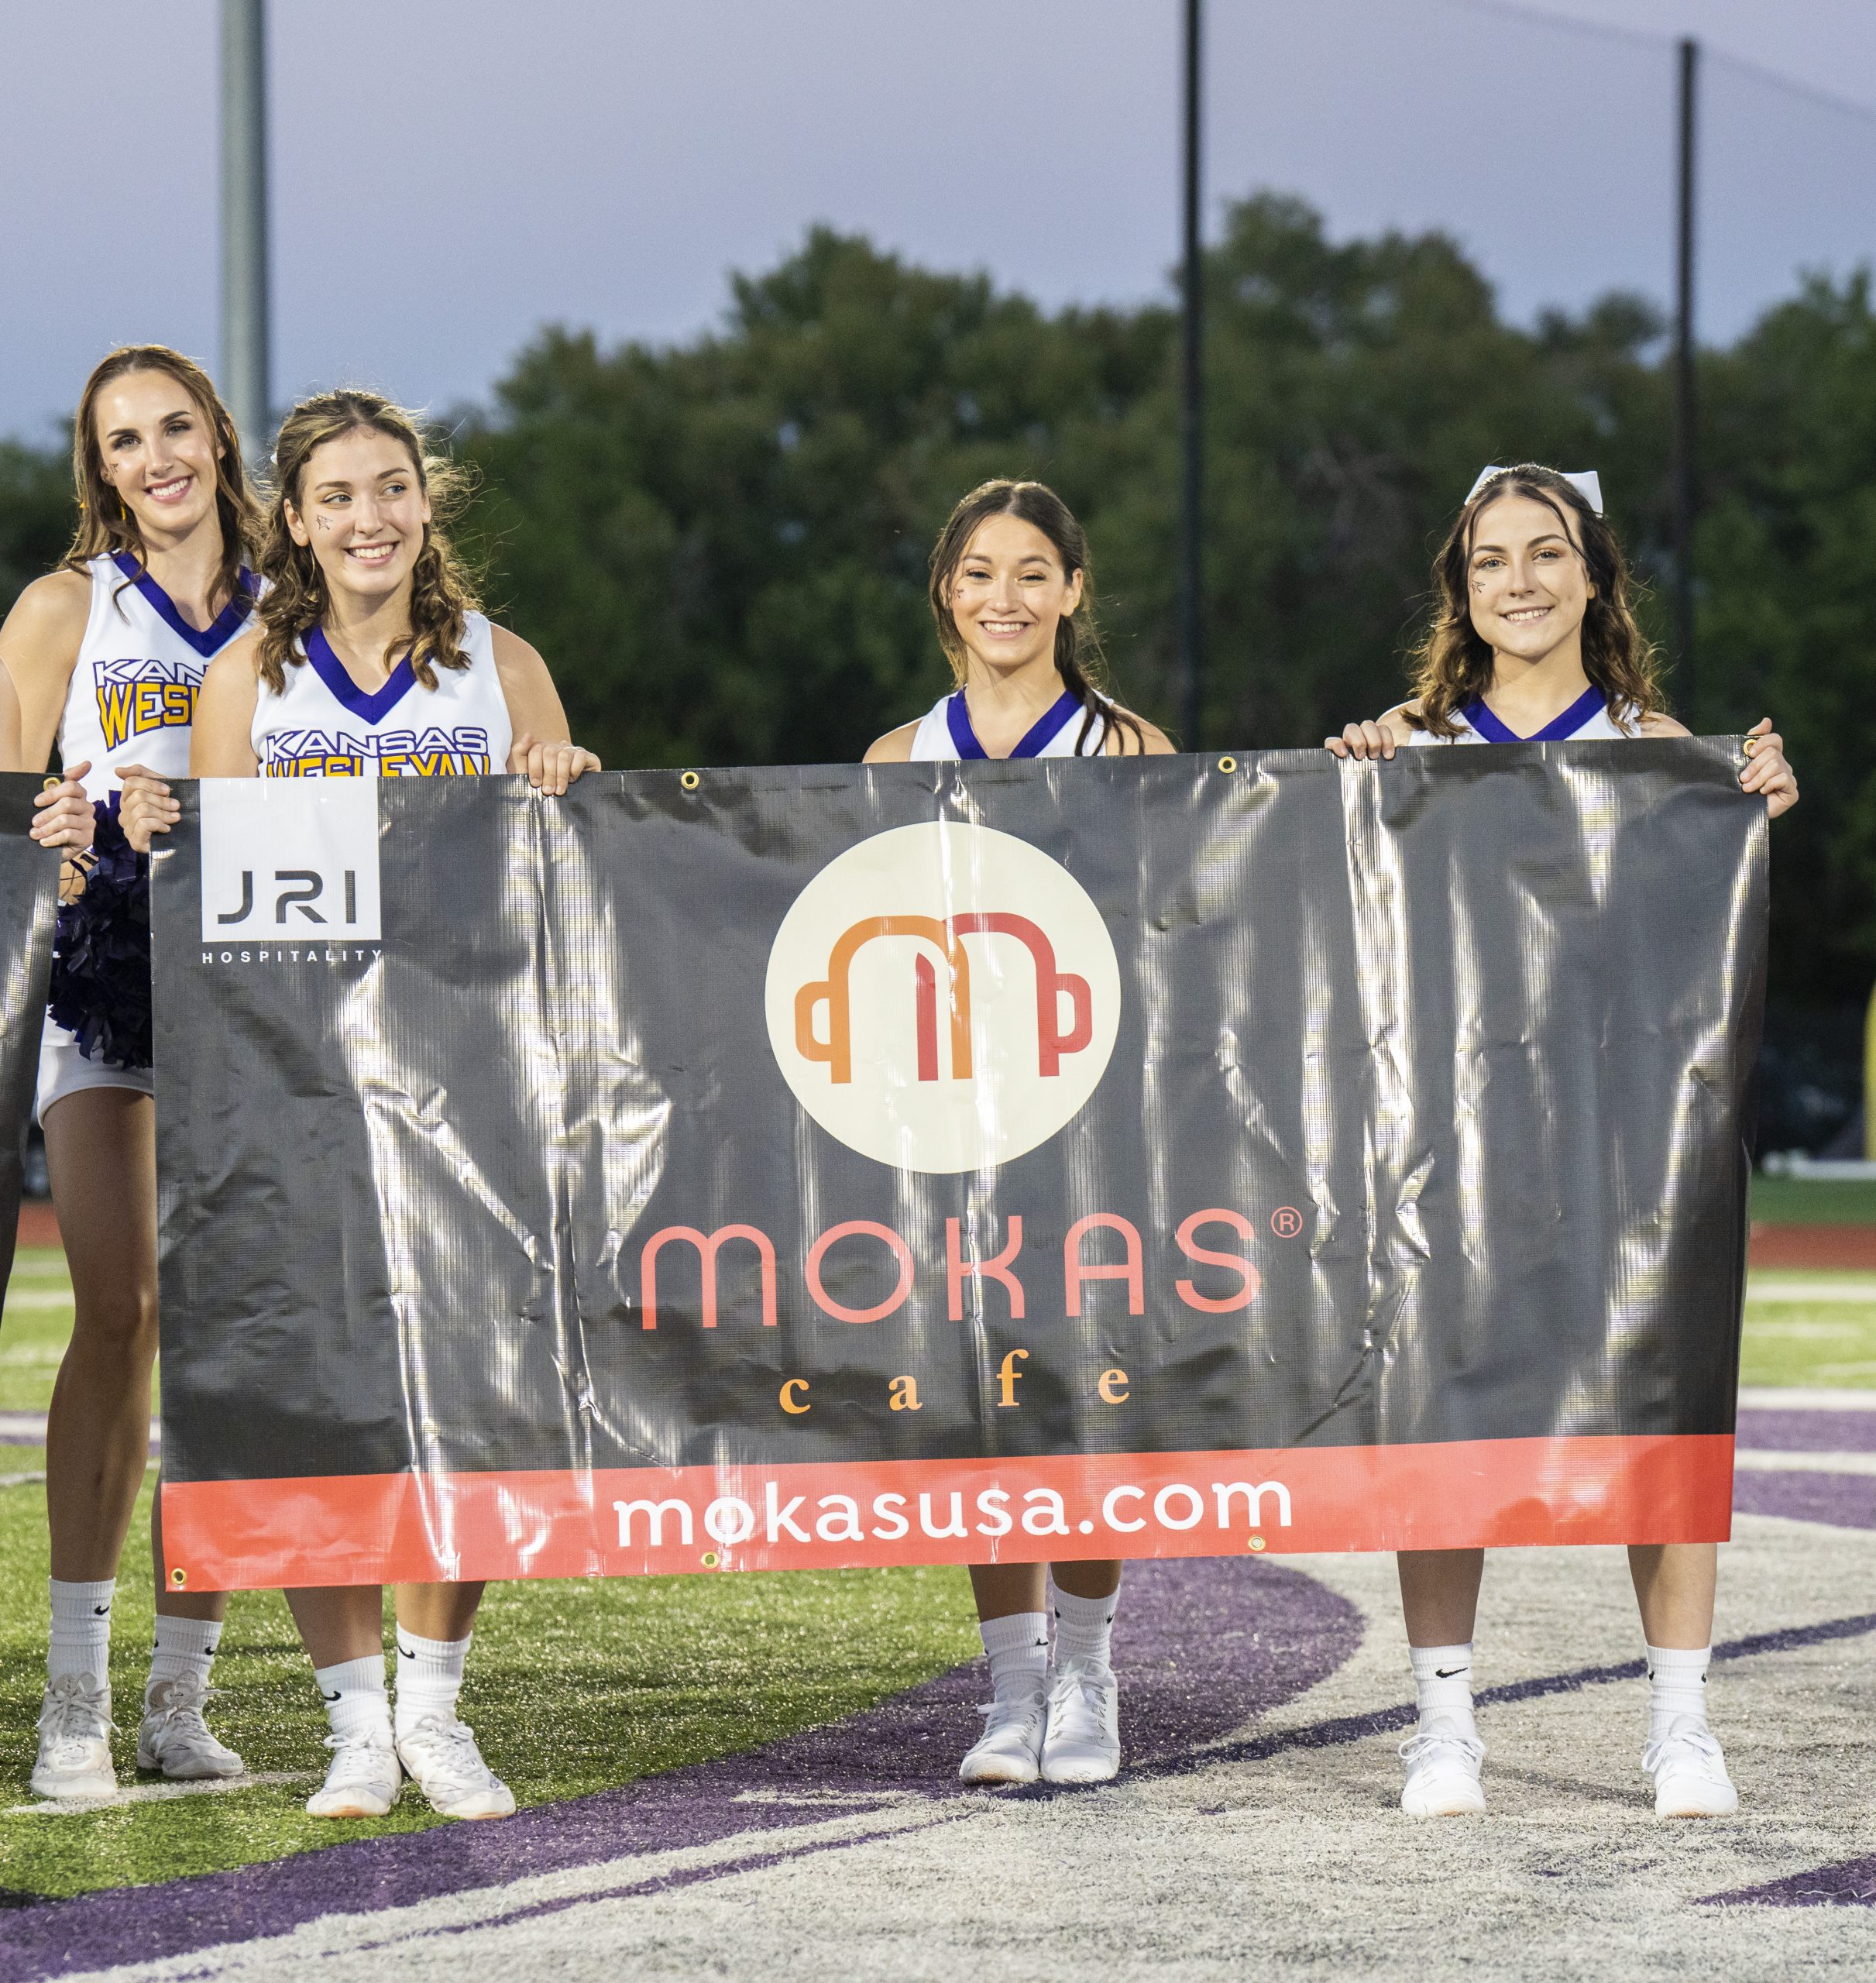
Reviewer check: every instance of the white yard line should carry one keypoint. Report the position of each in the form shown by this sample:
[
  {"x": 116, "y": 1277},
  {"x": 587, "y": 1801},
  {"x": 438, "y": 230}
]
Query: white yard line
[
  {"x": 38, "y": 1297},
  {"x": 1803, "y": 1397},
  {"x": 151, "y": 1793},
  {"x": 1757, "y": 1460},
  {"x": 1806, "y": 1293}
]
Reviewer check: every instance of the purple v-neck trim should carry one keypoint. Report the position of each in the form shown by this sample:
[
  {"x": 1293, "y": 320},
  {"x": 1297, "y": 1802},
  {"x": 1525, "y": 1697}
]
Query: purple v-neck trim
[
  {"x": 371, "y": 708},
  {"x": 1587, "y": 705},
  {"x": 206, "y": 641},
  {"x": 1036, "y": 739}
]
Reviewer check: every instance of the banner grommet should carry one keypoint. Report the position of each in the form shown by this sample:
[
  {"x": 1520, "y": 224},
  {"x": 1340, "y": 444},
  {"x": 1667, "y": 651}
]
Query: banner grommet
[
  {"x": 690, "y": 781},
  {"x": 1228, "y": 764}
]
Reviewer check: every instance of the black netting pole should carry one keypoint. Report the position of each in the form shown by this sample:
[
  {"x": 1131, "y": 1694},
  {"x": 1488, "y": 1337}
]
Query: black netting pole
[
  {"x": 1684, "y": 400},
  {"x": 1191, "y": 589}
]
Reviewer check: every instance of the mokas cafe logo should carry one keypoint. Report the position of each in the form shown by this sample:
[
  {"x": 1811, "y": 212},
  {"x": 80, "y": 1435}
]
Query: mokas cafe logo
[{"x": 943, "y": 997}]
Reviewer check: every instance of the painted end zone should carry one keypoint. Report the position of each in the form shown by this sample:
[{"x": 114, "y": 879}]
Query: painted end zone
[{"x": 1494, "y": 1494}]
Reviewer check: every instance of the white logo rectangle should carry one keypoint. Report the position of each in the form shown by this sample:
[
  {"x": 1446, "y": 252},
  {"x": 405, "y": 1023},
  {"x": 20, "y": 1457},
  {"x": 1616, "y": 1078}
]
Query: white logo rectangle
[{"x": 286, "y": 858}]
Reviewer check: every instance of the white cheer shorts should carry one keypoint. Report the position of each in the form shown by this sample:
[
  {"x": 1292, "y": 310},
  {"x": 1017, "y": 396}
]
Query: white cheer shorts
[{"x": 63, "y": 1071}]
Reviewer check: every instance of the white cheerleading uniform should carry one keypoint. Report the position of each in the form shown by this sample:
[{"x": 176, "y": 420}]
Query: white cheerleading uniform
[
  {"x": 944, "y": 731},
  {"x": 1587, "y": 719},
  {"x": 131, "y": 700},
  {"x": 322, "y": 724}
]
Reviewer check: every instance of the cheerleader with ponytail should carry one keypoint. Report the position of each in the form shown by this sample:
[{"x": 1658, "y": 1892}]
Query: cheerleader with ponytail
[{"x": 1012, "y": 600}]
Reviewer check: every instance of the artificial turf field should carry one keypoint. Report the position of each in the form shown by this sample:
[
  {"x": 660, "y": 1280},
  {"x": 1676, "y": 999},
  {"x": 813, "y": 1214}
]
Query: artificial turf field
[{"x": 743, "y": 1775}]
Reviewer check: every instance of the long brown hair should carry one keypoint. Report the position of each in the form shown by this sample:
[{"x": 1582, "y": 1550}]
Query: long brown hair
[
  {"x": 442, "y": 593},
  {"x": 1078, "y": 657},
  {"x": 106, "y": 523},
  {"x": 1452, "y": 663}
]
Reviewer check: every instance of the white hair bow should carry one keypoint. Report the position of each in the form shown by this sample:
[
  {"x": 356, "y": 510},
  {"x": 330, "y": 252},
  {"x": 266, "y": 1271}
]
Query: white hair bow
[{"x": 1587, "y": 483}]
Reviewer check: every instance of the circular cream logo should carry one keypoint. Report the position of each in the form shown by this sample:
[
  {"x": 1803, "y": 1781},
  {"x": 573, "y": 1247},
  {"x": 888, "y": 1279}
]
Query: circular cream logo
[{"x": 943, "y": 997}]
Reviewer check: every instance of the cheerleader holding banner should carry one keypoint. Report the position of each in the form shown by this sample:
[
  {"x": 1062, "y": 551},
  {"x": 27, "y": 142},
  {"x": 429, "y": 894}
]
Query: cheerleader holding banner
[
  {"x": 1012, "y": 594},
  {"x": 107, "y": 654},
  {"x": 369, "y": 633},
  {"x": 1534, "y": 641}
]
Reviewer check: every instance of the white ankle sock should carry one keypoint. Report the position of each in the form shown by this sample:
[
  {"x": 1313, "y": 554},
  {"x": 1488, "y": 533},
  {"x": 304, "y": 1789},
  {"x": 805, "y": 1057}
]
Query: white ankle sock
[
  {"x": 1443, "y": 1680},
  {"x": 429, "y": 1677},
  {"x": 1018, "y": 1649},
  {"x": 185, "y": 1650},
  {"x": 1677, "y": 1687},
  {"x": 80, "y": 1640},
  {"x": 356, "y": 1703},
  {"x": 1082, "y": 1628}
]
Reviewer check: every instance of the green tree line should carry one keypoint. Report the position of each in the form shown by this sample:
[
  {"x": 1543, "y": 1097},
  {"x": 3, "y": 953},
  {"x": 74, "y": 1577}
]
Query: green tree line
[{"x": 720, "y": 546}]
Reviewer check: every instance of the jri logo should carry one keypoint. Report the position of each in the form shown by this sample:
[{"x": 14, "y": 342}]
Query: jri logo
[
  {"x": 943, "y": 997},
  {"x": 289, "y": 860}
]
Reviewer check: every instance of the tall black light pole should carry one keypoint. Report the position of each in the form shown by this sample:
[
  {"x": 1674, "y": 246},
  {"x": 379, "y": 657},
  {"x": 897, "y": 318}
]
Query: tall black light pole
[
  {"x": 245, "y": 352},
  {"x": 1192, "y": 442},
  {"x": 1684, "y": 407}
]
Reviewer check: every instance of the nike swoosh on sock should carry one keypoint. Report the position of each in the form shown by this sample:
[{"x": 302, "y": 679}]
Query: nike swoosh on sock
[
  {"x": 100, "y": 1610},
  {"x": 1449, "y": 1672},
  {"x": 330, "y": 1697}
]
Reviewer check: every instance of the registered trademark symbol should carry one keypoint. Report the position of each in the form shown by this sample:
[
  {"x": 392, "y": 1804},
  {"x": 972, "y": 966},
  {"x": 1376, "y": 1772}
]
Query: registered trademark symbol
[{"x": 1285, "y": 1222}]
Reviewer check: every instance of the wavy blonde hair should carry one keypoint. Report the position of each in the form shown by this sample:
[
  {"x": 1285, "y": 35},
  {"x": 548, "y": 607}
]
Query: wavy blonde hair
[
  {"x": 1452, "y": 664},
  {"x": 1079, "y": 658},
  {"x": 442, "y": 592},
  {"x": 106, "y": 523}
]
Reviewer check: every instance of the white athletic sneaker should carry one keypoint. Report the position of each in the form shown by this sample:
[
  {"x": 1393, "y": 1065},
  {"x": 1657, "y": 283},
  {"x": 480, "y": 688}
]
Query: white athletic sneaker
[
  {"x": 174, "y": 1738},
  {"x": 1442, "y": 1773},
  {"x": 1010, "y": 1749},
  {"x": 363, "y": 1782},
  {"x": 447, "y": 1766},
  {"x": 1690, "y": 1774},
  {"x": 75, "y": 1740},
  {"x": 1082, "y": 1744}
]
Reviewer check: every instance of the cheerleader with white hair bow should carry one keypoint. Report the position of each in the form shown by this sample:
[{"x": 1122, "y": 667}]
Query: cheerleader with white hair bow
[{"x": 1533, "y": 640}]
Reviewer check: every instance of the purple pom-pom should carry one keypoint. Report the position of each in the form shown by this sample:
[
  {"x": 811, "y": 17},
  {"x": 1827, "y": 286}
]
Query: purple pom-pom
[{"x": 100, "y": 952}]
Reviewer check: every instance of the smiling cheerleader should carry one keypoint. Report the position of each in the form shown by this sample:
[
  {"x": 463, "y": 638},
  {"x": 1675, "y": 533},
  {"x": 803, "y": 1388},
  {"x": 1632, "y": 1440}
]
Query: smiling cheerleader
[
  {"x": 1533, "y": 641},
  {"x": 107, "y": 654},
  {"x": 372, "y": 660},
  {"x": 1011, "y": 597}
]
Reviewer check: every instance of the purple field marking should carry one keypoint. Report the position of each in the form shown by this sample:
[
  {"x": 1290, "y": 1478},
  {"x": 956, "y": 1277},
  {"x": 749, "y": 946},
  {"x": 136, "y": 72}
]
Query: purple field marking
[
  {"x": 1808, "y": 1432},
  {"x": 1851, "y": 1883},
  {"x": 1843, "y": 1500},
  {"x": 1202, "y": 1646},
  {"x": 685, "y": 1876}
]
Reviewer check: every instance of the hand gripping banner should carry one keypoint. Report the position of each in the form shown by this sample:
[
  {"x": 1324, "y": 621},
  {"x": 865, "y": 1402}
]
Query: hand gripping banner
[
  {"x": 28, "y": 904},
  {"x": 950, "y": 1162}
]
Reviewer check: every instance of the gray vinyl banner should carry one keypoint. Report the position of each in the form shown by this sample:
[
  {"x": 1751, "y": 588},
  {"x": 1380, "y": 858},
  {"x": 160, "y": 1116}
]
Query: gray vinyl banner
[
  {"x": 953, "y": 1161},
  {"x": 28, "y": 905}
]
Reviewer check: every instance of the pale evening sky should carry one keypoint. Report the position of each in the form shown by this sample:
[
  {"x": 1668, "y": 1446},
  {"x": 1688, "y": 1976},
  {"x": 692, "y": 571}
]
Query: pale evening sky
[{"x": 448, "y": 175}]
